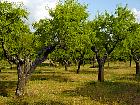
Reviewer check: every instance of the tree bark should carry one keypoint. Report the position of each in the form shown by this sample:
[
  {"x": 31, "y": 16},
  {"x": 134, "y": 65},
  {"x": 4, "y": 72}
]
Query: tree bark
[
  {"x": 101, "y": 62},
  {"x": 137, "y": 68},
  {"x": 22, "y": 70},
  {"x": 101, "y": 72},
  {"x": 137, "y": 62},
  {"x": 21, "y": 80}
]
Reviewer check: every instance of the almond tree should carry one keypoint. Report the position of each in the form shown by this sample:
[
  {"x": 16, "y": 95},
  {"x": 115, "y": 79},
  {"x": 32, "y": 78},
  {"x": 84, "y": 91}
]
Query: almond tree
[
  {"x": 26, "y": 49},
  {"x": 18, "y": 43},
  {"x": 110, "y": 30},
  {"x": 67, "y": 27},
  {"x": 132, "y": 44}
]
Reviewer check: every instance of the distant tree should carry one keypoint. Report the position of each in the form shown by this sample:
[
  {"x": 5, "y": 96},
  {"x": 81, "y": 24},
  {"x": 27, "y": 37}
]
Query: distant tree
[
  {"x": 132, "y": 44},
  {"x": 62, "y": 56},
  {"x": 67, "y": 27},
  {"x": 82, "y": 46},
  {"x": 110, "y": 30},
  {"x": 120, "y": 53}
]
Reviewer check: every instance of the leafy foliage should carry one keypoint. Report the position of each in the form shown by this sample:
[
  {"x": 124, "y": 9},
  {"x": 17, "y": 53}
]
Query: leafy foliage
[{"x": 14, "y": 32}]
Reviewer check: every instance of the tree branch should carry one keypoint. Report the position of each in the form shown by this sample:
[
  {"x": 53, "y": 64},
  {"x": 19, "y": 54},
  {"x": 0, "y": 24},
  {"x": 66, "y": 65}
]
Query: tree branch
[
  {"x": 94, "y": 49},
  {"x": 45, "y": 51},
  {"x": 9, "y": 57}
]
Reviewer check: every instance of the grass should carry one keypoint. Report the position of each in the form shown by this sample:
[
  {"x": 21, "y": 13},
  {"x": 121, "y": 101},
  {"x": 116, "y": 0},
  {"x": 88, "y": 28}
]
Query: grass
[{"x": 55, "y": 86}]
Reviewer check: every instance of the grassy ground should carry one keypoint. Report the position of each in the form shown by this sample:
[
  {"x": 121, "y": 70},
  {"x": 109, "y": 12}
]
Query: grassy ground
[{"x": 55, "y": 86}]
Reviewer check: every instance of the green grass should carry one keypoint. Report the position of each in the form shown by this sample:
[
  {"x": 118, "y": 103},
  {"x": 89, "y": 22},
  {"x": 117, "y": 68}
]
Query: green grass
[{"x": 55, "y": 86}]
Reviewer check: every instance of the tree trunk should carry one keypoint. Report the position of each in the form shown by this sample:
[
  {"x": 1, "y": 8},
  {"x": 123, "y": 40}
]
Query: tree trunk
[
  {"x": 23, "y": 76},
  {"x": 101, "y": 72},
  {"x": 24, "y": 67},
  {"x": 130, "y": 60},
  {"x": 101, "y": 61},
  {"x": 79, "y": 64},
  {"x": 108, "y": 60},
  {"x": 21, "y": 80},
  {"x": 93, "y": 62},
  {"x": 66, "y": 65},
  {"x": 137, "y": 68}
]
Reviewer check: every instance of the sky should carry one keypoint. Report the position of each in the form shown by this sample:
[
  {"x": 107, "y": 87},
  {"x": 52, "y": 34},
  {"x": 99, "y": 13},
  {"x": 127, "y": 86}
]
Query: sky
[
  {"x": 38, "y": 8},
  {"x": 95, "y": 6}
]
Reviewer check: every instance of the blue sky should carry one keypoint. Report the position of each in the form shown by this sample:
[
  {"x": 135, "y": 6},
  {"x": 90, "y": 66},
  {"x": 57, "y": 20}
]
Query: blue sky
[
  {"x": 37, "y": 7},
  {"x": 110, "y": 5}
]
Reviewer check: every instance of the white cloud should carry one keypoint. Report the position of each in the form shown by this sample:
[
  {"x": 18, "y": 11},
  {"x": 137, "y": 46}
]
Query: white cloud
[
  {"x": 37, "y": 8},
  {"x": 137, "y": 14}
]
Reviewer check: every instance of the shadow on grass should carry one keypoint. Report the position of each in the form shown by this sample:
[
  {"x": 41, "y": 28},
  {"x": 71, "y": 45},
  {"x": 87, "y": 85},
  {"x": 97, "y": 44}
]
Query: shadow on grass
[
  {"x": 41, "y": 102},
  {"x": 129, "y": 77},
  {"x": 108, "y": 92},
  {"x": 6, "y": 87},
  {"x": 117, "y": 67},
  {"x": 49, "y": 103},
  {"x": 7, "y": 72},
  {"x": 84, "y": 71},
  {"x": 88, "y": 72},
  {"x": 44, "y": 64},
  {"x": 47, "y": 64},
  {"x": 51, "y": 77}
]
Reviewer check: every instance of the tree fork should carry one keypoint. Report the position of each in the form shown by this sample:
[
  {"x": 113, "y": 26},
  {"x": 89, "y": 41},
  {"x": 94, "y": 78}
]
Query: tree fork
[{"x": 24, "y": 69}]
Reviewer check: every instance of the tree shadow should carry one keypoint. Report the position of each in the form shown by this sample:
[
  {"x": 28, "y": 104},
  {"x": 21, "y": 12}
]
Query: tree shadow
[
  {"x": 41, "y": 102},
  {"x": 44, "y": 64},
  {"x": 108, "y": 92},
  {"x": 6, "y": 87},
  {"x": 116, "y": 67},
  {"x": 48, "y": 64},
  {"x": 52, "y": 77},
  {"x": 129, "y": 77},
  {"x": 49, "y": 103},
  {"x": 85, "y": 71},
  {"x": 7, "y": 72}
]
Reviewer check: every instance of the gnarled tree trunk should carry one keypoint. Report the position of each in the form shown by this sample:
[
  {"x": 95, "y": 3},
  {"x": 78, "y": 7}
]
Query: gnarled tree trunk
[
  {"x": 21, "y": 80},
  {"x": 22, "y": 70},
  {"x": 26, "y": 68}
]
